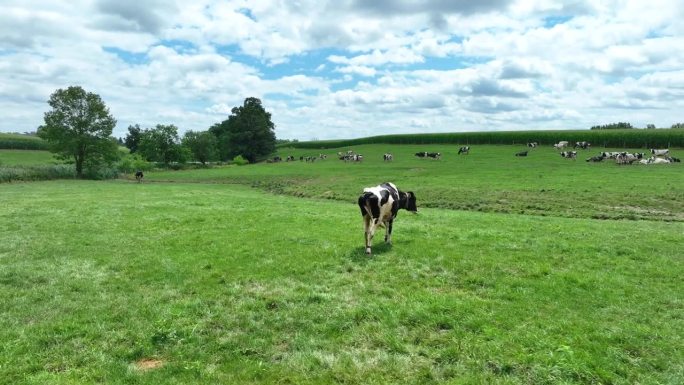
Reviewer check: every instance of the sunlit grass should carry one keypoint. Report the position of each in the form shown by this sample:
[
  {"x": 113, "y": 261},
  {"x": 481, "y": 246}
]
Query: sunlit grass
[{"x": 225, "y": 284}]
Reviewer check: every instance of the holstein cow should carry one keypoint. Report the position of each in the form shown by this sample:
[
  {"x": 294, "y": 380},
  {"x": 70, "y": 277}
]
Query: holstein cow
[
  {"x": 664, "y": 152},
  {"x": 595, "y": 159},
  {"x": 582, "y": 145},
  {"x": 532, "y": 144},
  {"x": 561, "y": 145},
  {"x": 421, "y": 154},
  {"x": 379, "y": 206},
  {"x": 521, "y": 153},
  {"x": 464, "y": 150},
  {"x": 387, "y": 157},
  {"x": 434, "y": 155},
  {"x": 139, "y": 176},
  {"x": 569, "y": 154}
]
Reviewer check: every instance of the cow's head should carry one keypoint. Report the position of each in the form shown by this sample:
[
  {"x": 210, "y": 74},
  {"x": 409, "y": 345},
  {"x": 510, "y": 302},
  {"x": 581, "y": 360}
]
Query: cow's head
[{"x": 409, "y": 201}]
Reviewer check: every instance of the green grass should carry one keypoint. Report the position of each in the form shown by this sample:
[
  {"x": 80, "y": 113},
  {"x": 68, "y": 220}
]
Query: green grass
[
  {"x": 490, "y": 179},
  {"x": 226, "y": 284},
  {"x": 26, "y": 158},
  {"x": 22, "y": 142}
]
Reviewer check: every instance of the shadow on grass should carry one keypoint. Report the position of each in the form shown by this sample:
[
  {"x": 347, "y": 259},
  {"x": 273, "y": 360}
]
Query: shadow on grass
[{"x": 358, "y": 254}]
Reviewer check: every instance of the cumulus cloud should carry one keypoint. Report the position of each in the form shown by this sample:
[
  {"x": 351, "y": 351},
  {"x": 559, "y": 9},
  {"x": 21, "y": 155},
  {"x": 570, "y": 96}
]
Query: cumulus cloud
[{"x": 349, "y": 68}]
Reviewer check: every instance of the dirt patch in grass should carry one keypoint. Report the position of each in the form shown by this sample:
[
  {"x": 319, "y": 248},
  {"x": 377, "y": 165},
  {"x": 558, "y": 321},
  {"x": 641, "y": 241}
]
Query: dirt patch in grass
[{"x": 146, "y": 364}]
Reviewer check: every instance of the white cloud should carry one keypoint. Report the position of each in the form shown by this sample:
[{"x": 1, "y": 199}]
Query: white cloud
[{"x": 348, "y": 68}]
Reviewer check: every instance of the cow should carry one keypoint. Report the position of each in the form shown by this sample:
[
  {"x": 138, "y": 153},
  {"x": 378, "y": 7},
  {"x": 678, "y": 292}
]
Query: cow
[
  {"x": 609, "y": 155},
  {"x": 139, "y": 176},
  {"x": 628, "y": 158},
  {"x": 421, "y": 154},
  {"x": 322, "y": 156},
  {"x": 387, "y": 157},
  {"x": 673, "y": 160},
  {"x": 656, "y": 152},
  {"x": 582, "y": 145},
  {"x": 290, "y": 158},
  {"x": 532, "y": 144},
  {"x": 521, "y": 153},
  {"x": 464, "y": 150},
  {"x": 654, "y": 160},
  {"x": 569, "y": 154},
  {"x": 379, "y": 206},
  {"x": 434, "y": 155},
  {"x": 561, "y": 145},
  {"x": 595, "y": 159}
]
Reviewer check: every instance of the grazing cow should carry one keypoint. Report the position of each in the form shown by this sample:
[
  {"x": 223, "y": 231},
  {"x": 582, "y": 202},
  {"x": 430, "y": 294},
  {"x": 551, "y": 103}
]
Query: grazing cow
[
  {"x": 582, "y": 145},
  {"x": 521, "y": 153},
  {"x": 387, "y": 157},
  {"x": 322, "y": 156},
  {"x": 464, "y": 150},
  {"x": 673, "y": 160},
  {"x": 664, "y": 152},
  {"x": 139, "y": 176},
  {"x": 561, "y": 145},
  {"x": 595, "y": 159},
  {"x": 379, "y": 206},
  {"x": 532, "y": 144},
  {"x": 434, "y": 155},
  {"x": 569, "y": 154},
  {"x": 290, "y": 158},
  {"x": 421, "y": 154}
]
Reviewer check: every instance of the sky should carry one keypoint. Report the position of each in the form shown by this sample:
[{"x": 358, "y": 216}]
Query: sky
[{"x": 349, "y": 68}]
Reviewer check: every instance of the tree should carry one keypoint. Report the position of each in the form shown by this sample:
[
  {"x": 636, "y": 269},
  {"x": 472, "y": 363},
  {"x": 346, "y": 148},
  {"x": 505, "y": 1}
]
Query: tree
[
  {"x": 650, "y": 126},
  {"x": 79, "y": 127},
  {"x": 161, "y": 144},
  {"x": 248, "y": 131},
  {"x": 203, "y": 145},
  {"x": 678, "y": 125},
  {"x": 132, "y": 140},
  {"x": 613, "y": 126}
]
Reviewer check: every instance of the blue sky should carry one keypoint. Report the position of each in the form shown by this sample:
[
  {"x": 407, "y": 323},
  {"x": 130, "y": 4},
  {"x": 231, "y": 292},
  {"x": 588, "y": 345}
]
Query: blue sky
[{"x": 349, "y": 68}]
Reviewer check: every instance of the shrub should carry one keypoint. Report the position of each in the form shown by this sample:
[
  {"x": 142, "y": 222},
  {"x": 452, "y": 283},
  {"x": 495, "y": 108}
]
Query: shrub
[
  {"x": 240, "y": 161},
  {"x": 132, "y": 162}
]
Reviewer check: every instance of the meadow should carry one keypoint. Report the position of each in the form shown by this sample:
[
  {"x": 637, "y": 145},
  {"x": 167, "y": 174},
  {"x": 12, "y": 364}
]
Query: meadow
[
  {"x": 26, "y": 157},
  {"x": 535, "y": 270}
]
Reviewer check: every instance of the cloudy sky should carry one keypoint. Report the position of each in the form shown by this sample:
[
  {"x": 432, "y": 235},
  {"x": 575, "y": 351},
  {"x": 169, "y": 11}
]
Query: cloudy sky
[{"x": 349, "y": 68}]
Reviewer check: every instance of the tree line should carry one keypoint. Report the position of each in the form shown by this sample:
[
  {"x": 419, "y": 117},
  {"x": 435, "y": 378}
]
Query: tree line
[
  {"x": 627, "y": 126},
  {"x": 79, "y": 126}
]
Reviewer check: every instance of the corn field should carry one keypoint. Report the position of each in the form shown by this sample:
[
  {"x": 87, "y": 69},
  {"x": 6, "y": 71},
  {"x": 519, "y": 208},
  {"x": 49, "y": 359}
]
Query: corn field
[{"x": 634, "y": 138}]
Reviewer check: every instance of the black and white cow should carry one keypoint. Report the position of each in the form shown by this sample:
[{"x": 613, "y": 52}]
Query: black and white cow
[
  {"x": 656, "y": 152},
  {"x": 673, "y": 159},
  {"x": 532, "y": 144},
  {"x": 421, "y": 154},
  {"x": 379, "y": 206},
  {"x": 595, "y": 159},
  {"x": 387, "y": 157},
  {"x": 521, "y": 153},
  {"x": 139, "y": 176},
  {"x": 569, "y": 154},
  {"x": 561, "y": 145},
  {"x": 434, "y": 155},
  {"x": 464, "y": 150},
  {"x": 582, "y": 145},
  {"x": 610, "y": 154}
]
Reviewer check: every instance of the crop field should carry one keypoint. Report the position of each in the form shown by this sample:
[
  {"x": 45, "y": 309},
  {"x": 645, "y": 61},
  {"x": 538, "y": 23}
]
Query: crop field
[{"x": 536, "y": 270}]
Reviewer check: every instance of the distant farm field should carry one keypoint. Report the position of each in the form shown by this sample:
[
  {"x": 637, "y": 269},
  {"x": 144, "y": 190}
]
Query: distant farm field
[
  {"x": 195, "y": 283},
  {"x": 26, "y": 157}
]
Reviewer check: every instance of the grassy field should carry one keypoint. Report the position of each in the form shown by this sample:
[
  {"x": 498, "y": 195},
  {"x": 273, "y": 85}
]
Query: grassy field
[
  {"x": 195, "y": 283},
  {"x": 490, "y": 179},
  {"x": 26, "y": 157}
]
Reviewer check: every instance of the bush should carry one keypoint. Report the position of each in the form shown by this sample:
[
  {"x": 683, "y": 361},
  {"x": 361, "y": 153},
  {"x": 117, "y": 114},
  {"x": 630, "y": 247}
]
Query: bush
[
  {"x": 240, "y": 161},
  {"x": 132, "y": 162}
]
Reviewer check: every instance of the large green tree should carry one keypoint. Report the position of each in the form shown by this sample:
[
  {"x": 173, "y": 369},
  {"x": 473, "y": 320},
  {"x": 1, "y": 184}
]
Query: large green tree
[
  {"x": 248, "y": 131},
  {"x": 79, "y": 128},
  {"x": 132, "y": 140},
  {"x": 161, "y": 144},
  {"x": 203, "y": 145}
]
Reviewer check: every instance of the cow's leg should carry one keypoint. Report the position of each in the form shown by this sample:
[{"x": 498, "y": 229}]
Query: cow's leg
[
  {"x": 367, "y": 232},
  {"x": 388, "y": 231}
]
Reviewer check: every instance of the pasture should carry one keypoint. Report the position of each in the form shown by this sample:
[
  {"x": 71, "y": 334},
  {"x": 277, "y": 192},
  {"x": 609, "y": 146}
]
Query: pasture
[
  {"x": 206, "y": 276},
  {"x": 26, "y": 158}
]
